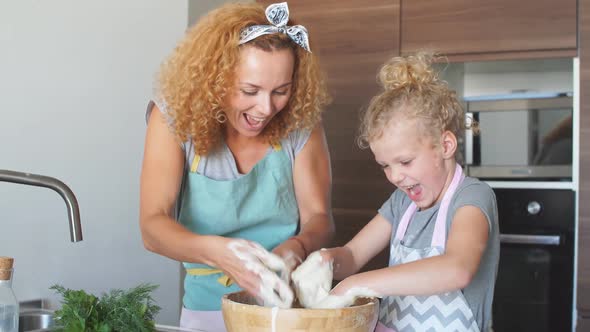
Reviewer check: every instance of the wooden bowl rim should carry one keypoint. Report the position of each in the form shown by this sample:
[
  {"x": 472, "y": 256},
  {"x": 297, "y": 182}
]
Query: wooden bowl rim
[{"x": 225, "y": 301}]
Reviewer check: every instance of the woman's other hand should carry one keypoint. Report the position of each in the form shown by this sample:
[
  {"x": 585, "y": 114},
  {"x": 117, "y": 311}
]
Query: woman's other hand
[
  {"x": 313, "y": 182},
  {"x": 292, "y": 252}
]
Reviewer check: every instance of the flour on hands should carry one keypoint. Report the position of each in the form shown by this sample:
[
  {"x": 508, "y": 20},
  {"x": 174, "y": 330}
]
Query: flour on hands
[
  {"x": 274, "y": 291},
  {"x": 346, "y": 300}
]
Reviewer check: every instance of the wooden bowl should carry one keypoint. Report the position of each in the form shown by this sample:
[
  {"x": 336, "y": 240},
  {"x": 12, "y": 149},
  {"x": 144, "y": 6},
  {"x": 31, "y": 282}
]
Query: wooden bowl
[{"x": 242, "y": 314}]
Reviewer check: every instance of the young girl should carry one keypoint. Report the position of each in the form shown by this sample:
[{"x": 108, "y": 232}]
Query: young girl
[{"x": 441, "y": 226}]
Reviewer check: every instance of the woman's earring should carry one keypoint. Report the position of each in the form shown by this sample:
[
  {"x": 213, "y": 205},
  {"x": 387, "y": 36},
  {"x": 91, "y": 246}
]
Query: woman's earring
[{"x": 220, "y": 116}]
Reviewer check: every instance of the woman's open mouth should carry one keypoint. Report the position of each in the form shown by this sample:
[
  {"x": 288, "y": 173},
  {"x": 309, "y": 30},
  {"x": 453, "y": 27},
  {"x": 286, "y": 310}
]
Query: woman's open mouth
[{"x": 253, "y": 122}]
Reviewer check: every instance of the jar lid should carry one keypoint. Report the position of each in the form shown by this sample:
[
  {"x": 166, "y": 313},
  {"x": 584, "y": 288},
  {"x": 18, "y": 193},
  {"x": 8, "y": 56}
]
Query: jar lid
[{"x": 6, "y": 267}]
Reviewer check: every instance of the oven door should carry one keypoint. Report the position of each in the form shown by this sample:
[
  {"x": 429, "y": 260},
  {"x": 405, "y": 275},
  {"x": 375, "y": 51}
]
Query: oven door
[{"x": 533, "y": 289}]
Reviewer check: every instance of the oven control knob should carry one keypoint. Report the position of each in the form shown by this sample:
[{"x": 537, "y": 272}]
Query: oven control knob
[{"x": 534, "y": 207}]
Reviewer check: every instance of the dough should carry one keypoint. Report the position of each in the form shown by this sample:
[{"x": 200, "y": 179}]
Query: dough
[{"x": 312, "y": 280}]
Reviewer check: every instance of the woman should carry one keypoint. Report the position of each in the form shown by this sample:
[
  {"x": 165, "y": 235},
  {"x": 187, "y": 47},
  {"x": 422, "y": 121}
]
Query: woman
[{"x": 235, "y": 136}]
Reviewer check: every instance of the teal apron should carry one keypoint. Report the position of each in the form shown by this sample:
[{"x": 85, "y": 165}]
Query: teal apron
[{"x": 259, "y": 206}]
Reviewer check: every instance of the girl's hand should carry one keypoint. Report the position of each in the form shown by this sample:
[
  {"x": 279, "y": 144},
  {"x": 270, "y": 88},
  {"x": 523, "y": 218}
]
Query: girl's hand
[
  {"x": 345, "y": 294},
  {"x": 337, "y": 298},
  {"x": 334, "y": 256},
  {"x": 255, "y": 270},
  {"x": 328, "y": 254},
  {"x": 342, "y": 287}
]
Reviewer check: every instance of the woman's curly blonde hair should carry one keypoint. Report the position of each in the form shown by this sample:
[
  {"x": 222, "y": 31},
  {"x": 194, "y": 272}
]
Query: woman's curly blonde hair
[
  {"x": 412, "y": 88},
  {"x": 197, "y": 80}
]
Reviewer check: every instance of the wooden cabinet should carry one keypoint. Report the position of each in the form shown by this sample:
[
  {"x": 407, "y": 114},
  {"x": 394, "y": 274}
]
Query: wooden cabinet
[
  {"x": 490, "y": 29},
  {"x": 583, "y": 324},
  {"x": 352, "y": 39},
  {"x": 583, "y": 292}
]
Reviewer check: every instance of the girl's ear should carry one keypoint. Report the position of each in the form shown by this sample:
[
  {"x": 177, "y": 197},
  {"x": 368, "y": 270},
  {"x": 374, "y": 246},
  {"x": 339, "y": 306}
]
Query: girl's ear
[{"x": 448, "y": 144}]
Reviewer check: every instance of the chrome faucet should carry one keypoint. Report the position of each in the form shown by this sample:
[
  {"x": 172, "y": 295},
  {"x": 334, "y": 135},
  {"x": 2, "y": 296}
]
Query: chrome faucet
[{"x": 52, "y": 183}]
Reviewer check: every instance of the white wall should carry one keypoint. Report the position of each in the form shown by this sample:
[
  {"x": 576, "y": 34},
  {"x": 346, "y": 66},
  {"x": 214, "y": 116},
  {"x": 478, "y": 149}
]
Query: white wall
[
  {"x": 198, "y": 8},
  {"x": 75, "y": 77}
]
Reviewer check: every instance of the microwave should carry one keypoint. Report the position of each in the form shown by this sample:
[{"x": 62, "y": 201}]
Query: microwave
[{"x": 527, "y": 137}]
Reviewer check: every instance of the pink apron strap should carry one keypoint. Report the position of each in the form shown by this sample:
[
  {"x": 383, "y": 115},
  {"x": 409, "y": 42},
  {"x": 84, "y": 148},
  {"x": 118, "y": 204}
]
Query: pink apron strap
[
  {"x": 440, "y": 228},
  {"x": 403, "y": 224},
  {"x": 438, "y": 237}
]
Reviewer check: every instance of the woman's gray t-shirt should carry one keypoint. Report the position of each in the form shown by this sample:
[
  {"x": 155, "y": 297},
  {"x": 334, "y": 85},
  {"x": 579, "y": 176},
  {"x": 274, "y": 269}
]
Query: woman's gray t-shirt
[
  {"x": 480, "y": 292},
  {"x": 220, "y": 163}
]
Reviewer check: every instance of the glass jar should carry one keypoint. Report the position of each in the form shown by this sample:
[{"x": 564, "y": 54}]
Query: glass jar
[{"x": 8, "y": 303}]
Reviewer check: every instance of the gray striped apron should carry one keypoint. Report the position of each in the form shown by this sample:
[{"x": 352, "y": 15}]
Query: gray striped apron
[{"x": 441, "y": 312}]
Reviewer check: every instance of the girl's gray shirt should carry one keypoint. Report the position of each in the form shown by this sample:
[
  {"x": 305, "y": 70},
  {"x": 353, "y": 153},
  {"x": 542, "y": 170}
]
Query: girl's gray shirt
[{"x": 480, "y": 292}]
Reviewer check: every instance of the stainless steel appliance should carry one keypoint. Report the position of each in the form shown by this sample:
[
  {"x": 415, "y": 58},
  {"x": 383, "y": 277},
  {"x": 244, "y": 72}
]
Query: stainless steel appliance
[
  {"x": 525, "y": 137},
  {"x": 534, "y": 287}
]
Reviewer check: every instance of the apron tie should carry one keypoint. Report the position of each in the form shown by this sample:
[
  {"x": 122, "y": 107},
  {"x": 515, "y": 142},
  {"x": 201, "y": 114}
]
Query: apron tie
[{"x": 223, "y": 280}]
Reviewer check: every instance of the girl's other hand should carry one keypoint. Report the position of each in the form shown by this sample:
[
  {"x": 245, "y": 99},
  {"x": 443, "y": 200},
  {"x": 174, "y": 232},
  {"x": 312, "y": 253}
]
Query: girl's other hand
[
  {"x": 342, "y": 287},
  {"x": 339, "y": 297},
  {"x": 345, "y": 294}
]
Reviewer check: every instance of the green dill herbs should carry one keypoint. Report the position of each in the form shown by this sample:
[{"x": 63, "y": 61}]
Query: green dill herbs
[{"x": 117, "y": 311}]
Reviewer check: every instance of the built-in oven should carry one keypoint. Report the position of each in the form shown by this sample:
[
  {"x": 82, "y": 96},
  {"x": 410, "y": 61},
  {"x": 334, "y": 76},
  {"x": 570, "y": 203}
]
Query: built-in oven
[
  {"x": 522, "y": 137},
  {"x": 534, "y": 286}
]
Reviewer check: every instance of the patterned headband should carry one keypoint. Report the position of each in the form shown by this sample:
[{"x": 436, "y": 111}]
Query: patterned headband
[{"x": 278, "y": 15}]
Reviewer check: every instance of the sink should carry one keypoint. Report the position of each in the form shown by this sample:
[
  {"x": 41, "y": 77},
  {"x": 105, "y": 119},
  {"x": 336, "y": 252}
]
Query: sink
[
  {"x": 35, "y": 320},
  {"x": 41, "y": 320}
]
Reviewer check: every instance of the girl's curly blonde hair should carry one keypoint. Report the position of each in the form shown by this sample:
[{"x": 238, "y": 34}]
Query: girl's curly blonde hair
[
  {"x": 412, "y": 88},
  {"x": 197, "y": 80}
]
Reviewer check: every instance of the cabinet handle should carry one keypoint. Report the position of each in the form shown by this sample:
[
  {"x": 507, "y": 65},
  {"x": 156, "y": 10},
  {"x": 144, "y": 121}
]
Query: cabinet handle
[{"x": 551, "y": 240}]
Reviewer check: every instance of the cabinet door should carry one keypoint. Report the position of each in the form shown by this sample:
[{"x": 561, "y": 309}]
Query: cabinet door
[
  {"x": 490, "y": 28},
  {"x": 583, "y": 324},
  {"x": 353, "y": 39},
  {"x": 583, "y": 295}
]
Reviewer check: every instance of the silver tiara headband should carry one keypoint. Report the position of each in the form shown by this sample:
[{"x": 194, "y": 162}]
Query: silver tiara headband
[{"x": 278, "y": 15}]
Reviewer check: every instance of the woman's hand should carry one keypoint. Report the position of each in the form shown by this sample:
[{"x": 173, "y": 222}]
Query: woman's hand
[
  {"x": 292, "y": 251},
  {"x": 235, "y": 268},
  {"x": 255, "y": 270}
]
